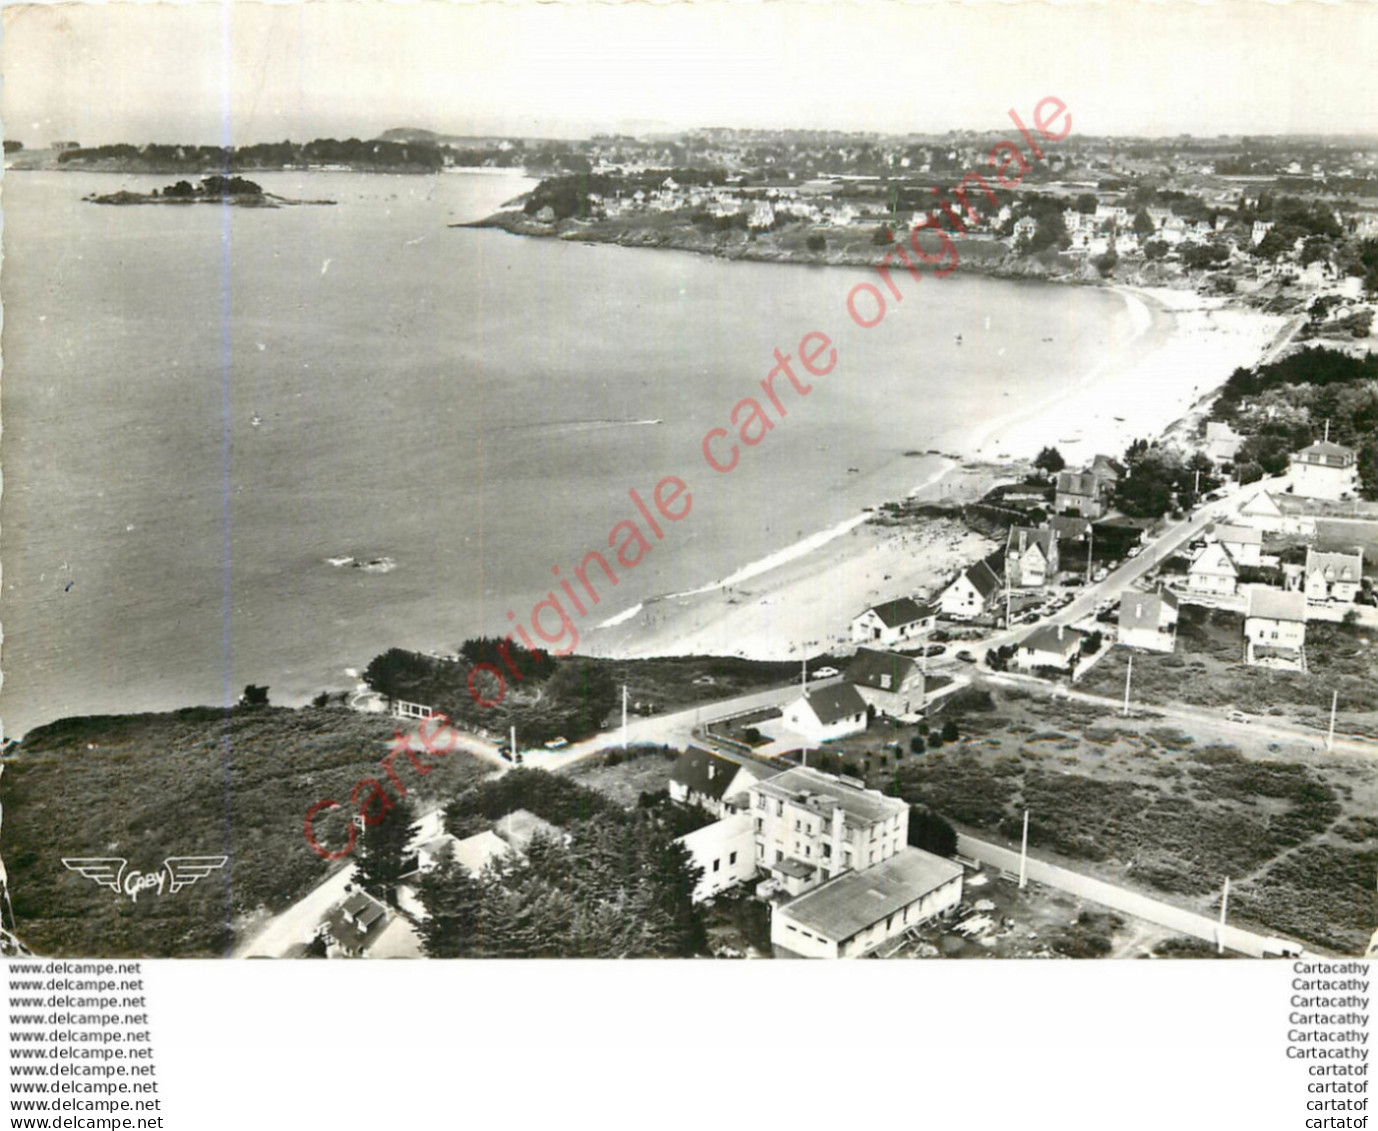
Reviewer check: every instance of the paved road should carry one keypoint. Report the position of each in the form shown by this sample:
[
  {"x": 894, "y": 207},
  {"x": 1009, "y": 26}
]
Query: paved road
[
  {"x": 675, "y": 728},
  {"x": 1117, "y": 898},
  {"x": 297, "y": 925},
  {"x": 1132, "y": 569}
]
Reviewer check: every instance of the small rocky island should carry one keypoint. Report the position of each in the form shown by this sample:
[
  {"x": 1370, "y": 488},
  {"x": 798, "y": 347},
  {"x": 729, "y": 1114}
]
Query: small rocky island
[{"x": 214, "y": 189}]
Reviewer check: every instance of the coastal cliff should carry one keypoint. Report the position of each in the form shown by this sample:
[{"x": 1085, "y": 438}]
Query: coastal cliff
[{"x": 843, "y": 247}]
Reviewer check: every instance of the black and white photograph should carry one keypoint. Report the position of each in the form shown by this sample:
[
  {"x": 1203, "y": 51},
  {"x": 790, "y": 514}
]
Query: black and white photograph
[
  {"x": 692, "y": 481},
  {"x": 471, "y": 502}
]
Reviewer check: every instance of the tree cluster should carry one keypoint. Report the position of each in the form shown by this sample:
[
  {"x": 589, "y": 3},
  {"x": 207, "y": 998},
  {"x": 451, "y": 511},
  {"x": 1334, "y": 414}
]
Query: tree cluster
[
  {"x": 273, "y": 155},
  {"x": 1158, "y": 478},
  {"x": 1286, "y": 405},
  {"x": 618, "y": 886},
  {"x": 931, "y": 832}
]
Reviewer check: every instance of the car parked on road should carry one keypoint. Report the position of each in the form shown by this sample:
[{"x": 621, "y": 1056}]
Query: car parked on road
[{"x": 825, "y": 673}]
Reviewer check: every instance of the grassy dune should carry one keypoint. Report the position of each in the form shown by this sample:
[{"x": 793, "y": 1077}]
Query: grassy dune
[{"x": 191, "y": 782}]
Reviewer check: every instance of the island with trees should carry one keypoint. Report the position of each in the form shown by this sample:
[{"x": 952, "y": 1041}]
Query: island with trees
[{"x": 215, "y": 189}]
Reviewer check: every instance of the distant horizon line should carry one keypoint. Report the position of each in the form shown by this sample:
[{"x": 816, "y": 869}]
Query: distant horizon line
[{"x": 952, "y": 134}]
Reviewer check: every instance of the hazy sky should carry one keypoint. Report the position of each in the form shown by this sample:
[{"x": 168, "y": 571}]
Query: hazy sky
[{"x": 248, "y": 72}]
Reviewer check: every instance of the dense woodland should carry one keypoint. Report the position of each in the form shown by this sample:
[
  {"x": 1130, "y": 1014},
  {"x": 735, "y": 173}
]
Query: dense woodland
[
  {"x": 1288, "y": 404},
  {"x": 616, "y": 885},
  {"x": 353, "y": 152}
]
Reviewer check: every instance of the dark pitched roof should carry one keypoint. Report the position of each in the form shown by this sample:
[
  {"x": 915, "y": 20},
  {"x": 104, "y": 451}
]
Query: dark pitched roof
[
  {"x": 984, "y": 579},
  {"x": 1145, "y": 610},
  {"x": 835, "y": 702},
  {"x": 1327, "y": 451},
  {"x": 1023, "y": 537},
  {"x": 1054, "y": 638},
  {"x": 1070, "y": 527},
  {"x": 884, "y": 671},
  {"x": 357, "y": 922},
  {"x": 364, "y": 909},
  {"x": 902, "y": 610},
  {"x": 1076, "y": 483},
  {"x": 1107, "y": 467},
  {"x": 702, "y": 771}
]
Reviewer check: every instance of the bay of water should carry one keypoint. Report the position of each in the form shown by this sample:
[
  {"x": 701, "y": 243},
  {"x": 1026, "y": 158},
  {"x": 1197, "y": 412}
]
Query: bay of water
[{"x": 473, "y": 405}]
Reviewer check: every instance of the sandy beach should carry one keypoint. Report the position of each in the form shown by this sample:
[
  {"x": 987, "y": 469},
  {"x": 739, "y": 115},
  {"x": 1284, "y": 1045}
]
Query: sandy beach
[
  {"x": 801, "y": 601},
  {"x": 1190, "y": 345}
]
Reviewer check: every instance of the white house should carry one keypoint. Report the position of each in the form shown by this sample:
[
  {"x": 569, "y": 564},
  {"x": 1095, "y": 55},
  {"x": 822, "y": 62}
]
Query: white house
[
  {"x": 1031, "y": 557},
  {"x": 1213, "y": 572},
  {"x": 711, "y": 782},
  {"x": 971, "y": 594},
  {"x": 894, "y": 622},
  {"x": 1275, "y": 628},
  {"x": 1279, "y": 514},
  {"x": 1149, "y": 621},
  {"x": 827, "y": 713},
  {"x": 891, "y": 683},
  {"x": 1052, "y": 646},
  {"x": 725, "y": 852},
  {"x": 1332, "y": 577},
  {"x": 1244, "y": 543},
  {"x": 1325, "y": 471}
]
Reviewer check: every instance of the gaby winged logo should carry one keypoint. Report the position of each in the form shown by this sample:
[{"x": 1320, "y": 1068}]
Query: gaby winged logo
[{"x": 176, "y": 873}]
